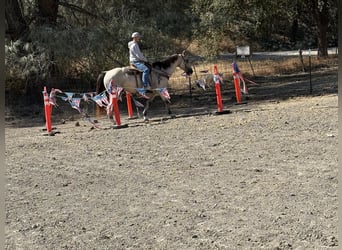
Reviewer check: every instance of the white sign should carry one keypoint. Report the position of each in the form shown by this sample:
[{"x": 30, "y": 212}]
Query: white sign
[{"x": 243, "y": 51}]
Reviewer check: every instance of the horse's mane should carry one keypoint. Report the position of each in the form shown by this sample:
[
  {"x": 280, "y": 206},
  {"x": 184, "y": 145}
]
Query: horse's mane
[{"x": 164, "y": 64}]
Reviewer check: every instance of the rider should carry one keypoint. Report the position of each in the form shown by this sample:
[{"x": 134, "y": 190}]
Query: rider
[{"x": 138, "y": 59}]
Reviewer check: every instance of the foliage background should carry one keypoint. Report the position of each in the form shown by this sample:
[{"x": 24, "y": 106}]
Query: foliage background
[{"x": 56, "y": 39}]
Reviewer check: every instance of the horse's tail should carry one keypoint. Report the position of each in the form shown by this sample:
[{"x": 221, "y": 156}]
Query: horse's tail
[{"x": 99, "y": 82}]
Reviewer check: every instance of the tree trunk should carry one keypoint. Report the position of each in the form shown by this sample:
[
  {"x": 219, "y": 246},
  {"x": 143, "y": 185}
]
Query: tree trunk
[
  {"x": 15, "y": 23},
  {"x": 319, "y": 9},
  {"x": 322, "y": 41},
  {"x": 48, "y": 11}
]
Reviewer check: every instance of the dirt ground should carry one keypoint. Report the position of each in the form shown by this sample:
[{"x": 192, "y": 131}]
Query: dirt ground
[{"x": 261, "y": 177}]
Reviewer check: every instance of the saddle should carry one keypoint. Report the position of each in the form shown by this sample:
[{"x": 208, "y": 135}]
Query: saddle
[{"x": 131, "y": 69}]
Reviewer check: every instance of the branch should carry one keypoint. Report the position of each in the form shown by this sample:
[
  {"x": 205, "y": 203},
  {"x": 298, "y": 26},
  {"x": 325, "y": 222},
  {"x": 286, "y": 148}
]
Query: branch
[{"x": 79, "y": 9}]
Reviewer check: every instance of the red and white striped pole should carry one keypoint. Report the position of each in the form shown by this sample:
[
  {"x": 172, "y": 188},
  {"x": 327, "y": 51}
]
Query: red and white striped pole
[
  {"x": 218, "y": 90},
  {"x": 237, "y": 87},
  {"x": 116, "y": 111},
  {"x": 236, "y": 77},
  {"x": 114, "y": 101},
  {"x": 48, "y": 110},
  {"x": 129, "y": 105}
]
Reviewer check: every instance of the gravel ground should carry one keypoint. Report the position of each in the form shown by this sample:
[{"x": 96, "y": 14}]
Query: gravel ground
[{"x": 261, "y": 177}]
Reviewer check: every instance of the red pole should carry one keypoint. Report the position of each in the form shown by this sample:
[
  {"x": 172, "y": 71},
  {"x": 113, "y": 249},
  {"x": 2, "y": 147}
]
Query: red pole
[
  {"x": 218, "y": 90},
  {"x": 237, "y": 88},
  {"x": 129, "y": 105},
  {"x": 48, "y": 109},
  {"x": 116, "y": 109}
]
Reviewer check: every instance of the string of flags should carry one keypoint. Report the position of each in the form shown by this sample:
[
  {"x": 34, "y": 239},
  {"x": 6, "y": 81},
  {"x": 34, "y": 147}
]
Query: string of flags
[
  {"x": 101, "y": 99},
  {"x": 74, "y": 100},
  {"x": 218, "y": 78},
  {"x": 164, "y": 93}
]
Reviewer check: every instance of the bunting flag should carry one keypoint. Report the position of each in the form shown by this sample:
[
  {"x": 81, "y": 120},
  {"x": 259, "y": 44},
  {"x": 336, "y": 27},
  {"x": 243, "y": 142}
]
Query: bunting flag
[
  {"x": 118, "y": 90},
  {"x": 142, "y": 92},
  {"x": 109, "y": 107},
  {"x": 85, "y": 97},
  {"x": 105, "y": 99},
  {"x": 69, "y": 96},
  {"x": 200, "y": 83},
  {"x": 101, "y": 99},
  {"x": 87, "y": 118},
  {"x": 218, "y": 78},
  {"x": 235, "y": 67},
  {"x": 237, "y": 72},
  {"x": 137, "y": 103},
  {"x": 215, "y": 78},
  {"x": 112, "y": 87},
  {"x": 75, "y": 103},
  {"x": 250, "y": 81},
  {"x": 165, "y": 93},
  {"x": 52, "y": 98},
  {"x": 90, "y": 94},
  {"x": 115, "y": 89}
]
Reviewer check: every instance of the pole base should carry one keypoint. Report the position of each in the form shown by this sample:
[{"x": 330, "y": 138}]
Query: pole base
[
  {"x": 51, "y": 133},
  {"x": 119, "y": 126},
  {"x": 132, "y": 118},
  {"x": 240, "y": 103},
  {"x": 223, "y": 112}
]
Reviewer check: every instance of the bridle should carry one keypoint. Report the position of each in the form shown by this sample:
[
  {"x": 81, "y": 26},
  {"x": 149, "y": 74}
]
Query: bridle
[{"x": 187, "y": 69}]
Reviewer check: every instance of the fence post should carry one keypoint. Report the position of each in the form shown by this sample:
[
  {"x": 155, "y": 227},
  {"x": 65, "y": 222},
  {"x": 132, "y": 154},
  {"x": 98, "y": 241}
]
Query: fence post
[{"x": 310, "y": 71}]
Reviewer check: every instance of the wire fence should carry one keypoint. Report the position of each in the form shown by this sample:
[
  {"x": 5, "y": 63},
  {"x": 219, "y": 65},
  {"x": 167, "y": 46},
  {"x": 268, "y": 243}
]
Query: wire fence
[
  {"x": 253, "y": 68},
  {"x": 262, "y": 69}
]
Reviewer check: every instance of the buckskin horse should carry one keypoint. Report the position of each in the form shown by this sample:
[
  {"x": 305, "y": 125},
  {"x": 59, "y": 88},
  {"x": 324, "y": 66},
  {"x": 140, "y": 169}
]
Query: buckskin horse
[{"x": 129, "y": 79}]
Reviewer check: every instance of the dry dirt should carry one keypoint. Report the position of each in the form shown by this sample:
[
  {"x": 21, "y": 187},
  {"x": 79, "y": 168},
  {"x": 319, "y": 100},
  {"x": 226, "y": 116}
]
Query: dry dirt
[{"x": 262, "y": 177}]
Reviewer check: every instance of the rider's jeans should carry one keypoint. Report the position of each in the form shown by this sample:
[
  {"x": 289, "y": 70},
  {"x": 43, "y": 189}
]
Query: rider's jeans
[{"x": 145, "y": 74}]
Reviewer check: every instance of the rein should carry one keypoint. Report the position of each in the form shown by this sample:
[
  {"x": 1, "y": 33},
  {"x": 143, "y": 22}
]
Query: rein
[
  {"x": 158, "y": 70},
  {"x": 161, "y": 73}
]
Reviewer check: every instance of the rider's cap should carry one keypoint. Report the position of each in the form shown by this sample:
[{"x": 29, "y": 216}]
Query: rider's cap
[{"x": 136, "y": 34}]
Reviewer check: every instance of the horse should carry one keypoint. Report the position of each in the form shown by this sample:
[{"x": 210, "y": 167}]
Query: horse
[{"x": 129, "y": 79}]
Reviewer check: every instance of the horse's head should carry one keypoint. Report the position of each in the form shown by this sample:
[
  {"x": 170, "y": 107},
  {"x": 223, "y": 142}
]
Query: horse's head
[
  {"x": 184, "y": 64},
  {"x": 170, "y": 64}
]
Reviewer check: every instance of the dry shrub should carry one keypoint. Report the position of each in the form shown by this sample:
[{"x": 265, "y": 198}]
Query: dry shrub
[{"x": 253, "y": 68}]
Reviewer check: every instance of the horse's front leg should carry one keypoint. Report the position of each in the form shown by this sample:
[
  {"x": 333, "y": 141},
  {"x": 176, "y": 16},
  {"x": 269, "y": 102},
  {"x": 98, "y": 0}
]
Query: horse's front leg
[{"x": 168, "y": 109}]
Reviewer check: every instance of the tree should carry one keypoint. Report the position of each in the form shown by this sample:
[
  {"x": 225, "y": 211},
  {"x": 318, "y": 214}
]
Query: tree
[
  {"x": 274, "y": 25},
  {"x": 84, "y": 36},
  {"x": 322, "y": 12},
  {"x": 48, "y": 11},
  {"x": 15, "y": 23}
]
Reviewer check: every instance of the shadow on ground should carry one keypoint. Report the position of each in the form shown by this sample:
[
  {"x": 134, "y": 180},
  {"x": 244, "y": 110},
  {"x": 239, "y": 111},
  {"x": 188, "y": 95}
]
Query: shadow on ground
[{"x": 323, "y": 82}]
